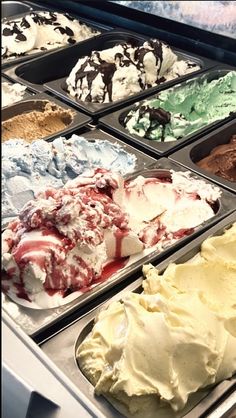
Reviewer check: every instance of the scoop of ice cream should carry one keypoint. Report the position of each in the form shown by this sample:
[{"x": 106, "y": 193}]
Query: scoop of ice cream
[
  {"x": 37, "y": 124},
  {"x": 118, "y": 72},
  {"x": 39, "y": 164},
  {"x": 12, "y": 92},
  {"x": 167, "y": 210},
  {"x": 221, "y": 161},
  {"x": 41, "y": 31},
  {"x": 59, "y": 241},
  {"x": 150, "y": 352},
  {"x": 182, "y": 110}
]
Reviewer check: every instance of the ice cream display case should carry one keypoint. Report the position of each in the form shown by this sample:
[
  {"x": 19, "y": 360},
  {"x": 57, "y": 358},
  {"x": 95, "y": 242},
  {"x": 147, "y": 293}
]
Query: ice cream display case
[{"x": 118, "y": 209}]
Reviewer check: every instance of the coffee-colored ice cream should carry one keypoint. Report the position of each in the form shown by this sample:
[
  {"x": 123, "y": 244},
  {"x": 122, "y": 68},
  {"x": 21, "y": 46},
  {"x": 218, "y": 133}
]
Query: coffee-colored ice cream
[
  {"x": 221, "y": 161},
  {"x": 37, "y": 124}
]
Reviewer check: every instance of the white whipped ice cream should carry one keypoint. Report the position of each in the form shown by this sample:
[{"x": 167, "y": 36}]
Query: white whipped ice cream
[
  {"x": 12, "y": 92},
  {"x": 41, "y": 31},
  {"x": 118, "y": 72}
]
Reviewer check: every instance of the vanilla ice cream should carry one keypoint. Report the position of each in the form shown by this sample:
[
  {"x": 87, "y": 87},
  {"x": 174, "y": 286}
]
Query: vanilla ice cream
[
  {"x": 65, "y": 238},
  {"x": 150, "y": 353},
  {"x": 41, "y": 31},
  {"x": 12, "y": 93},
  {"x": 118, "y": 72}
]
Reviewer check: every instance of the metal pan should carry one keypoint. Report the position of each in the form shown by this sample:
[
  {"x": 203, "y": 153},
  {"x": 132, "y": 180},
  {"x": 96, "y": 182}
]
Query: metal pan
[
  {"x": 6, "y": 63},
  {"x": 72, "y": 336},
  {"x": 36, "y": 72},
  {"x": 114, "y": 121},
  {"x": 11, "y": 8},
  {"x": 39, "y": 323},
  {"x": 190, "y": 154},
  {"x": 37, "y": 102}
]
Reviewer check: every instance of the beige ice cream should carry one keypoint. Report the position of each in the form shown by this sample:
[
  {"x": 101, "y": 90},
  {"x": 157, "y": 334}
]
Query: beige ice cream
[
  {"x": 151, "y": 353},
  {"x": 37, "y": 124}
]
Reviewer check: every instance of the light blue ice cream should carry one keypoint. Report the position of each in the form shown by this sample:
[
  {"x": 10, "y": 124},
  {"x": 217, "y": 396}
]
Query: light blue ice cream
[{"x": 29, "y": 167}]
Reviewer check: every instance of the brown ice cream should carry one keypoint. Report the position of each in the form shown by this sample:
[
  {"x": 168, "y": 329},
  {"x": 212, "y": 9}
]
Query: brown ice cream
[
  {"x": 37, "y": 124},
  {"x": 221, "y": 161}
]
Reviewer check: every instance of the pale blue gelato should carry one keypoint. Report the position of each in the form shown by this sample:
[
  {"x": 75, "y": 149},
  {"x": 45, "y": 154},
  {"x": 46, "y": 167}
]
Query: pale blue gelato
[{"x": 29, "y": 167}]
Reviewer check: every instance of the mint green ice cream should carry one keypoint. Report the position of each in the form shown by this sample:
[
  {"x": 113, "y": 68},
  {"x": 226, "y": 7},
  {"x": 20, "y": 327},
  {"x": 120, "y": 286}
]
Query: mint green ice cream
[{"x": 182, "y": 110}]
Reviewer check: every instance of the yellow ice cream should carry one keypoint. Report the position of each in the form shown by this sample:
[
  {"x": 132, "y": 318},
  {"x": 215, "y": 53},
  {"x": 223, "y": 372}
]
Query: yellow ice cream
[{"x": 150, "y": 353}]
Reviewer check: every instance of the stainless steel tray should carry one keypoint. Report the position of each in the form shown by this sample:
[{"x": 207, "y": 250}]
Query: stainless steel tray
[
  {"x": 72, "y": 336},
  {"x": 38, "y": 323},
  {"x": 11, "y": 8},
  {"x": 37, "y": 102}
]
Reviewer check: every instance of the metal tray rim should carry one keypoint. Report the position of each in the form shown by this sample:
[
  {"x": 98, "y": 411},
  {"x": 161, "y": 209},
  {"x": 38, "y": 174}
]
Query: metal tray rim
[
  {"x": 79, "y": 120},
  {"x": 226, "y": 207}
]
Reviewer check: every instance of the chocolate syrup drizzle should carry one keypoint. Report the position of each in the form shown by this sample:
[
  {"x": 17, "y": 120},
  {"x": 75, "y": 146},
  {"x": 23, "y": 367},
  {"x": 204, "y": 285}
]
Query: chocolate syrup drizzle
[
  {"x": 17, "y": 28},
  {"x": 156, "y": 115},
  {"x": 107, "y": 70}
]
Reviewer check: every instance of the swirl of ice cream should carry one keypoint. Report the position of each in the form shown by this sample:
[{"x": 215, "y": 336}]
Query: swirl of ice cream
[
  {"x": 150, "y": 352},
  {"x": 41, "y": 31},
  {"x": 181, "y": 110},
  {"x": 118, "y": 72}
]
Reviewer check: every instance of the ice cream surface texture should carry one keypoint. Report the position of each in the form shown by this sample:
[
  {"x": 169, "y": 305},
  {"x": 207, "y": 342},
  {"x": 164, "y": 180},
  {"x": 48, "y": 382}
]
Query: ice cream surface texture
[
  {"x": 37, "y": 123},
  {"x": 181, "y": 110},
  {"x": 221, "y": 161},
  {"x": 151, "y": 352},
  {"x": 11, "y": 93},
  {"x": 64, "y": 238},
  {"x": 41, "y": 31},
  {"x": 28, "y": 168},
  {"x": 118, "y": 72}
]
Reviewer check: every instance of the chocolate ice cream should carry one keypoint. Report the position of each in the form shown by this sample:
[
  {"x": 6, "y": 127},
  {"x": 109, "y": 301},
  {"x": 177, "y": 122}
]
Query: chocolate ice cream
[
  {"x": 221, "y": 161},
  {"x": 37, "y": 124}
]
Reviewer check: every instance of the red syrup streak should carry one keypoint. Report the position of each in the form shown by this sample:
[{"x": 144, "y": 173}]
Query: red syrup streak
[
  {"x": 149, "y": 180},
  {"x": 21, "y": 292},
  {"x": 108, "y": 270},
  {"x": 182, "y": 233},
  {"x": 111, "y": 268}
]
